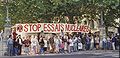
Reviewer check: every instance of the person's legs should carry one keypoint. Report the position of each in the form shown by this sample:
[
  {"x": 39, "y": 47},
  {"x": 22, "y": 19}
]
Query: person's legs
[
  {"x": 75, "y": 47},
  {"x": 11, "y": 50},
  {"x": 103, "y": 45},
  {"x": 42, "y": 50},
  {"x": 20, "y": 49},
  {"x": 72, "y": 48},
  {"x": 16, "y": 51},
  {"x": 89, "y": 46},
  {"x": 113, "y": 45}
]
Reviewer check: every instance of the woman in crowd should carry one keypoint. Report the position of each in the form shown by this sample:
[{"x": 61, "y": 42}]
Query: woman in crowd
[
  {"x": 41, "y": 43},
  {"x": 65, "y": 43},
  {"x": 60, "y": 44},
  {"x": 27, "y": 44},
  {"x": 104, "y": 43},
  {"x": 71, "y": 43},
  {"x": 51, "y": 42},
  {"x": 114, "y": 39},
  {"x": 34, "y": 44},
  {"x": 80, "y": 45},
  {"x": 45, "y": 44},
  {"x": 75, "y": 43},
  {"x": 92, "y": 43},
  {"x": 97, "y": 42},
  {"x": 57, "y": 42},
  {"x": 109, "y": 43},
  {"x": 88, "y": 40}
]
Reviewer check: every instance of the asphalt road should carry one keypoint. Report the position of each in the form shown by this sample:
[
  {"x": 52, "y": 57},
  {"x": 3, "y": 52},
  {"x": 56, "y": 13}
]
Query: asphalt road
[
  {"x": 66, "y": 56},
  {"x": 88, "y": 54}
]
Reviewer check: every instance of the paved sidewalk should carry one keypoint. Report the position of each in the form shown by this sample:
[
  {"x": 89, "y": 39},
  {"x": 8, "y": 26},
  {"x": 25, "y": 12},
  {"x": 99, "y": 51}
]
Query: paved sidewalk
[
  {"x": 110, "y": 53},
  {"x": 3, "y": 48}
]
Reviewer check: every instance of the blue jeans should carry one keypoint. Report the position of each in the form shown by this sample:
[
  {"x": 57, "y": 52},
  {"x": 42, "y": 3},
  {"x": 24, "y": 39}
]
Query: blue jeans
[
  {"x": 15, "y": 51},
  {"x": 87, "y": 46},
  {"x": 27, "y": 50},
  {"x": 10, "y": 50},
  {"x": 61, "y": 50},
  {"x": 109, "y": 45},
  {"x": 41, "y": 50},
  {"x": 75, "y": 47},
  {"x": 104, "y": 45},
  {"x": 71, "y": 49}
]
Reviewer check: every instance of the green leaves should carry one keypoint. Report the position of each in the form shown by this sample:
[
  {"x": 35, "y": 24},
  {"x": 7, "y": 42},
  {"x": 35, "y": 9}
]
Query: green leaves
[{"x": 33, "y": 11}]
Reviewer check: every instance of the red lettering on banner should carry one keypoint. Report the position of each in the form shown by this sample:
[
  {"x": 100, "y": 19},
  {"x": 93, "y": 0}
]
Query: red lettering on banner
[
  {"x": 34, "y": 27},
  {"x": 67, "y": 27},
  {"x": 57, "y": 27},
  {"x": 86, "y": 29},
  {"x": 20, "y": 28},
  {"x": 52, "y": 28},
  {"x": 49, "y": 29},
  {"x": 45, "y": 27},
  {"x": 30, "y": 27},
  {"x": 81, "y": 28},
  {"x": 77, "y": 28},
  {"x": 72, "y": 27},
  {"x": 25, "y": 28},
  {"x": 62, "y": 27},
  {"x": 39, "y": 26}
]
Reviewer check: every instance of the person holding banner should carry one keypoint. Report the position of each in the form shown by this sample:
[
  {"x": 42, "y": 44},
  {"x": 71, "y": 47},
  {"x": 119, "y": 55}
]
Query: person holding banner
[
  {"x": 71, "y": 44},
  {"x": 34, "y": 44},
  {"x": 27, "y": 43},
  {"x": 57, "y": 42},
  {"x": 51, "y": 42},
  {"x": 20, "y": 43}
]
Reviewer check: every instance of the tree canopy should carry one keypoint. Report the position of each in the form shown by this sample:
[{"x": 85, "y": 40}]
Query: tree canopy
[{"x": 32, "y": 11}]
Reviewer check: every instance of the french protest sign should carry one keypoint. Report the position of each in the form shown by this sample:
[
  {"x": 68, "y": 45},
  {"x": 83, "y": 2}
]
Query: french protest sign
[{"x": 51, "y": 27}]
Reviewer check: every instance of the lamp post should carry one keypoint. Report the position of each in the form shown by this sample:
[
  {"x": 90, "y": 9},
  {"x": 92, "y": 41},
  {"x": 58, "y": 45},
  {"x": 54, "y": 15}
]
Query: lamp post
[{"x": 7, "y": 26}]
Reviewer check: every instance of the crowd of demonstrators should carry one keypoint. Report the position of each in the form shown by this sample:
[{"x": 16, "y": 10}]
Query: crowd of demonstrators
[{"x": 60, "y": 43}]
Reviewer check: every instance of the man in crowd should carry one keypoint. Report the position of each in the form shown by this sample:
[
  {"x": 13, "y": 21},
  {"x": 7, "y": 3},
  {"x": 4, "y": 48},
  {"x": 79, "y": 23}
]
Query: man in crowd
[
  {"x": 10, "y": 46},
  {"x": 20, "y": 42}
]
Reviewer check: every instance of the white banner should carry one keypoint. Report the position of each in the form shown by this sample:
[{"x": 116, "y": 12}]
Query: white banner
[{"x": 51, "y": 28}]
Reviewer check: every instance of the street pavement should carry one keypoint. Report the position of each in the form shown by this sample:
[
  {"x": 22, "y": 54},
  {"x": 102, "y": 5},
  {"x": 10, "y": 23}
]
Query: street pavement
[
  {"x": 81, "y": 54},
  {"x": 3, "y": 48}
]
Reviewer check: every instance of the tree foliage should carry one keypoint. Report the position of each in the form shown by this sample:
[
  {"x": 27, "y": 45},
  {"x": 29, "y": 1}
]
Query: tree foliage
[{"x": 33, "y": 11}]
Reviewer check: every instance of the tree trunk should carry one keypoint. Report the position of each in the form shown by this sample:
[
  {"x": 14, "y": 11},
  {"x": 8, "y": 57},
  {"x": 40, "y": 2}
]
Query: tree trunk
[{"x": 106, "y": 30}]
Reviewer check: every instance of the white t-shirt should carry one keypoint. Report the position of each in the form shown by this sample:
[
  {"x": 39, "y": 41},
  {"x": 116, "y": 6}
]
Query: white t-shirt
[
  {"x": 71, "y": 42},
  {"x": 56, "y": 41},
  {"x": 45, "y": 45},
  {"x": 108, "y": 39},
  {"x": 97, "y": 40},
  {"x": 20, "y": 41},
  {"x": 34, "y": 42},
  {"x": 92, "y": 40},
  {"x": 75, "y": 39},
  {"x": 104, "y": 40}
]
